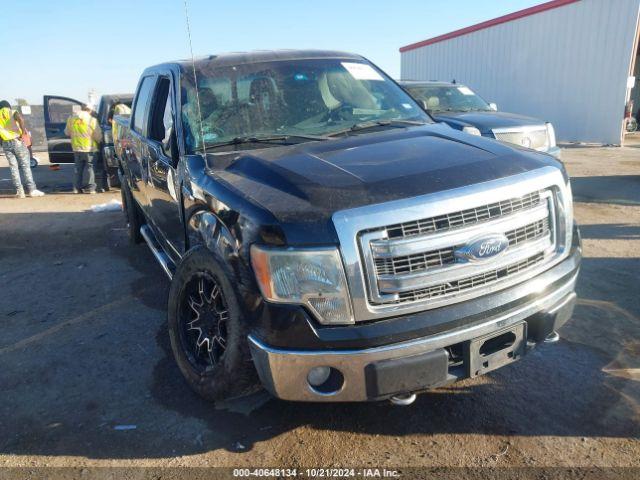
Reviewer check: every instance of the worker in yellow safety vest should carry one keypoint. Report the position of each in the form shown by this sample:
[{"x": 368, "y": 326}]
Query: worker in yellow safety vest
[
  {"x": 13, "y": 135},
  {"x": 86, "y": 135},
  {"x": 119, "y": 109}
]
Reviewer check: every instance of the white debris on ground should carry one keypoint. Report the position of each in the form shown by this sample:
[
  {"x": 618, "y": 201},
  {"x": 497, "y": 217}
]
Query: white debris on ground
[
  {"x": 125, "y": 427},
  {"x": 112, "y": 206}
]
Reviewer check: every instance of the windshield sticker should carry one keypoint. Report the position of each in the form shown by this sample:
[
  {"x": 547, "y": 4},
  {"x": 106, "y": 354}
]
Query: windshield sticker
[
  {"x": 465, "y": 91},
  {"x": 362, "y": 71},
  {"x": 407, "y": 106}
]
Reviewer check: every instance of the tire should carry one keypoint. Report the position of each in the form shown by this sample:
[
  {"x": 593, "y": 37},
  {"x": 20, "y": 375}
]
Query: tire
[
  {"x": 135, "y": 218},
  {"x": 113, "y": 177},
  {"x": 33, "y": 162},
  {"x": 204, "y": 309}
]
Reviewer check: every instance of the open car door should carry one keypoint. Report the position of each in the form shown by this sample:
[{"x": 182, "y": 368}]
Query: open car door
[{"x": 56, "y": 112}]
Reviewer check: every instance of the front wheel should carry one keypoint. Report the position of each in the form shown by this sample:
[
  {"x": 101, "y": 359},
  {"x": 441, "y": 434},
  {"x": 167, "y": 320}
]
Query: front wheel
[{"x": 207, "y": 331}]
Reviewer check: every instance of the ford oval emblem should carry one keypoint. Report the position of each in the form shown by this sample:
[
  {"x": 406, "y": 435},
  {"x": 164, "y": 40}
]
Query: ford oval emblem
[{"x": 482, "y": 248}]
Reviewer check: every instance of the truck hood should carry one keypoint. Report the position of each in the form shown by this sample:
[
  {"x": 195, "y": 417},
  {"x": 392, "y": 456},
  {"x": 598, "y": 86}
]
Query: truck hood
[
  {"x": 303, "y": 186},
  {"x": 486, "y": 121}
]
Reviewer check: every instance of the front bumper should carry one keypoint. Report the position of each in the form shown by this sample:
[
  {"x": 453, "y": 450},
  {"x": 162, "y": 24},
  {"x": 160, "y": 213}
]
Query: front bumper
[{"x": 415, "y": 365}]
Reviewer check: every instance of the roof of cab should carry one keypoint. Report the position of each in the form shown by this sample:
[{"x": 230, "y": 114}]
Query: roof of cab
[{"x": 257, "y": 56}]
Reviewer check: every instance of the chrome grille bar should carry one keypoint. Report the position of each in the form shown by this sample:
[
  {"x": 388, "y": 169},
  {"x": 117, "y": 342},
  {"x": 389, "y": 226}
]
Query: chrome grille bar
[
  {"x": 481, "y": 279},
  {"x": 464, "y": 218}
]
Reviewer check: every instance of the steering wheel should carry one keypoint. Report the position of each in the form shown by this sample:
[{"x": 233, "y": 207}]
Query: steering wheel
[{"x": 343, "y": 112}]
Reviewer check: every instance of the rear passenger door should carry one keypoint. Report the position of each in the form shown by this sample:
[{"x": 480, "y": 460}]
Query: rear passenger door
[
  {"x": 56, "y": 112},
  {"x": 162, "y": 186},
  {"x": 136, "y": 153}
]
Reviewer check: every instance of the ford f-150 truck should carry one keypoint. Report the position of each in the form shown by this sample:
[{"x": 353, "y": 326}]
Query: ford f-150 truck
[{"x": 326, "y": 239}]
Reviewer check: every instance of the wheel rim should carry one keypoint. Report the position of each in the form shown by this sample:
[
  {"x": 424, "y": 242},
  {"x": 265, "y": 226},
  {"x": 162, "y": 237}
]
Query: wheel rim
[{"x": 203, "y": 322}]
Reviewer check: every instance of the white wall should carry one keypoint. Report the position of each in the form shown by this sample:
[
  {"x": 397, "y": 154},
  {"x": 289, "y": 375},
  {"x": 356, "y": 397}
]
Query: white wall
[{"x": 568, "y": 65}]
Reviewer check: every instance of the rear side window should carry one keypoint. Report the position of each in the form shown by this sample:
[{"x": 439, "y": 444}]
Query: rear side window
[
  {"x": 60, "y": 109},
  {"x": 142, "y": 103},
  {"x": 161, "y": 119}
]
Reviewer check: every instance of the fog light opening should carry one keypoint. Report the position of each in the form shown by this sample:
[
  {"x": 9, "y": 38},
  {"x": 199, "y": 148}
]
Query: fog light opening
[{"x": 325, "y": 380}]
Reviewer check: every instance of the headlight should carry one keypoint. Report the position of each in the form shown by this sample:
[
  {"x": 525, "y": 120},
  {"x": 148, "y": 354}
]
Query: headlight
[
  {"x": 472, "y": 131},
  {"x": 314, "y": 278},
  {"x": 551, "y": 135}
]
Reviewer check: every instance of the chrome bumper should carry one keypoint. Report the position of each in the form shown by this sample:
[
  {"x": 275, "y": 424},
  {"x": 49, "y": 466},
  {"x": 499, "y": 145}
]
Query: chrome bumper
[{"x": 284, "y": 372}]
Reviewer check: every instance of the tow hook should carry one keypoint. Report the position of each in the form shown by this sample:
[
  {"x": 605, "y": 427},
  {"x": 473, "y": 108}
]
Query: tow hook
[
  {"x": 403, "y": 400},
  {"x": 553, "y": 337}
]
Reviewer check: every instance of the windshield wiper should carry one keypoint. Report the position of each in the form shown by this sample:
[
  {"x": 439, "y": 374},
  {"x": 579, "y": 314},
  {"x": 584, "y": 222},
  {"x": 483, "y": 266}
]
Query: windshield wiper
[
  {"x": 379, "y": 123},
  {"x": 266, "y": 139}
]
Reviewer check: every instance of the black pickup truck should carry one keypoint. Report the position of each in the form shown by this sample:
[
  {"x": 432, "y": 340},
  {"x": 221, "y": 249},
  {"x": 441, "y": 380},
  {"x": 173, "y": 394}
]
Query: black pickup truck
[{"x": 326, "y": 239}]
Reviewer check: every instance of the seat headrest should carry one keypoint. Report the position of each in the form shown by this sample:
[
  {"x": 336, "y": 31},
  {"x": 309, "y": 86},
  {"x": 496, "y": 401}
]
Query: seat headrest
[{"x": 433, "y": 103}]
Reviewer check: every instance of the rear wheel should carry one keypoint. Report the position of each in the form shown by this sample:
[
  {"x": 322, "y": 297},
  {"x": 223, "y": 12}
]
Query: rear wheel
[
  {"x": 135, "y": 218},
  {"x": 113, "y": 177},
  {"x": 206, "y": 328}
]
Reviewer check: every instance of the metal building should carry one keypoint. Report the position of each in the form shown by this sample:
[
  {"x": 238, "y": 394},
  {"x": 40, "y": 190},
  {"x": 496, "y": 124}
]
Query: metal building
[{"x": 569, "y": 62}]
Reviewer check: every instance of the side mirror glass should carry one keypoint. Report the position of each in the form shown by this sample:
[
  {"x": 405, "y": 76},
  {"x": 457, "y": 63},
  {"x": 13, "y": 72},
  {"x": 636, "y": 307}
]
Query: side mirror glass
[{"x": 493, "y": 107}]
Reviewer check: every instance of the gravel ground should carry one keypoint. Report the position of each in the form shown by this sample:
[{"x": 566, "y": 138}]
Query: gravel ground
[{"x": 87, "y": 378}]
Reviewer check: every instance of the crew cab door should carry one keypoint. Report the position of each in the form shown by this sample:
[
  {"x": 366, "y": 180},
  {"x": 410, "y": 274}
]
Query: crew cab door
[
  {"x": 56, "y": 112},
  {"x": 135, "y": 155},
  {"x": 162, "y": 186}
]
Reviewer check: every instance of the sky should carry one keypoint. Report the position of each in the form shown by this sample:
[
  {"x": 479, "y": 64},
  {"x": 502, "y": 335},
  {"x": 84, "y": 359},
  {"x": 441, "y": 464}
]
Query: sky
[{"x": 68, "y": 47}]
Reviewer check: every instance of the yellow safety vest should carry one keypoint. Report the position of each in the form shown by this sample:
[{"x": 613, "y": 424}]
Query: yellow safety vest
[
  {"x": 81, "y": 128},
  {"x": 121, "y": 109},
  {"x": 9, "y": 128}
]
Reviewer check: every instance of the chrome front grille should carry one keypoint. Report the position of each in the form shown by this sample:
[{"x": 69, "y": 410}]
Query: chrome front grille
[
  {"x": 536, "y": 138},
  {"x": 422, "y": 260},
  {"x": 439, "y": 258},
  {"x": 416, "y": 267}
]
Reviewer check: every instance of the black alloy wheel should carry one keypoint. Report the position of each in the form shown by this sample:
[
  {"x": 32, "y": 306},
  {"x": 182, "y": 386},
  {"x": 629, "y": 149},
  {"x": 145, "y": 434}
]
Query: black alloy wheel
[{"x": 203, "y": 322}]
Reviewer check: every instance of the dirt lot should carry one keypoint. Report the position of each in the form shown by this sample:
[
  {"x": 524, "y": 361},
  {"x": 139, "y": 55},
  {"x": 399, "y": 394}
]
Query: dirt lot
[{"x": 87, "y": 379}]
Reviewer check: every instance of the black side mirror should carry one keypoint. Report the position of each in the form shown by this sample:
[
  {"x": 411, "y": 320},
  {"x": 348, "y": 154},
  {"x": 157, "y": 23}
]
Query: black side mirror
[{"x": 170, "y": 146}]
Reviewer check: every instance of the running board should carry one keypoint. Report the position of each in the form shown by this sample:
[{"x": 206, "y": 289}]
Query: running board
[{"x": 163, "y": 259}]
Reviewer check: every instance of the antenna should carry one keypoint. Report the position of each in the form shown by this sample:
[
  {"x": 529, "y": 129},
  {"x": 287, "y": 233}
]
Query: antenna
[{"x": 195, "y": 77}]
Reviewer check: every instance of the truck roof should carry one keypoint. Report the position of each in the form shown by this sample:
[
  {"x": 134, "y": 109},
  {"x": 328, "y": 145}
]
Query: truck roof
[
  {"x": 117, "y": 96},
  {"x": 257, "y": 56}
]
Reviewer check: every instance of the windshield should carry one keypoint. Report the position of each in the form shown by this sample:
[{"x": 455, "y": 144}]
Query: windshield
[
  {"x": 448, "y": 98},
  {"x": 305, "y": 99}
]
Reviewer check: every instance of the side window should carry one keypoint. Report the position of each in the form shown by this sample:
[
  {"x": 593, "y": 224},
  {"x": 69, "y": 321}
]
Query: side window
[
  {"x": 142, "y": 102},
  {"x": 60, "y": 109},
  {"x": 161, "y": 113}
]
